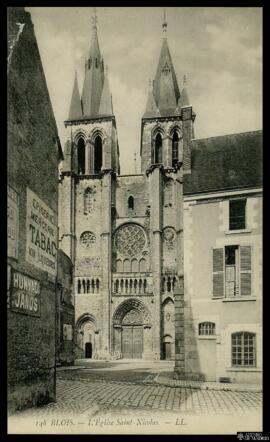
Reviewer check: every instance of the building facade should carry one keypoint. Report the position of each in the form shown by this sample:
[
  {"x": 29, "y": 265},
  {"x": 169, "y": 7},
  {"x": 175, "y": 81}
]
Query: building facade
[
  {"x": 34, "y": 153},
  {"x": 127, "y": 235}
]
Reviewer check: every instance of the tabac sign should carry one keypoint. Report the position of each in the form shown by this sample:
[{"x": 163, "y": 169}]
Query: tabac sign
[
  {"x": 25, "y": 294},
  {"x": 41, "y": 234}
]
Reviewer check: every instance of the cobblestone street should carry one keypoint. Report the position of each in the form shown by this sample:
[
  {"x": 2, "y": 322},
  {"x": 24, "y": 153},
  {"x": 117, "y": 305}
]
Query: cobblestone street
[{"x": 96, "y": 396}]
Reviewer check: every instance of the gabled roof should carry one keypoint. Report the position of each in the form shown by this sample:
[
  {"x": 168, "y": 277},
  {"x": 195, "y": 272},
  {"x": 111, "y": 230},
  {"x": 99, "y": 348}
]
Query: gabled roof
[{"x": 225, "y": 162}]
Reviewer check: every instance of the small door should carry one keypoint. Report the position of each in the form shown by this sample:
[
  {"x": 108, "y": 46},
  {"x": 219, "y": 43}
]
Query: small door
[
  {"x": 168, "y": 350},
  {"x": 207, "y": 355},
  {"x": 88, "y": 350}
]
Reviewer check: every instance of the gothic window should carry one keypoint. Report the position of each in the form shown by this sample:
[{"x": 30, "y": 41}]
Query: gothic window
[
  {"x": 97, "y": 154},
  {"x": 130, "y": 239},
  {"x": 131, "y": 202},
  {"x": 81, "y": 156},
  {"x": 88, "y": 201},
  {"x": 119, "y": 265},
  {"x": 87, "y": 239},
  {"x": 134, "y": 266},
  {"x": 96, "y": 62},
  {"x": 158, "y": 149},
  {"x": 89, "y": 63},
  {"x": 79, "y": 286},
  {"x": 143, "y": 265},
  {"x": 175, "y": 145},
  {"x": 126, "y": 265}
]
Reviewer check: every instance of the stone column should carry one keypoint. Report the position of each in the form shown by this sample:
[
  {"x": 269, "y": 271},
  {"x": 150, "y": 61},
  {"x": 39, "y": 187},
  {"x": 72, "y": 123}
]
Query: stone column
[
  {"x": 106, "y": 261},
  {"x": 179, "y": 289},
  {"x": 155, "y": 232}
]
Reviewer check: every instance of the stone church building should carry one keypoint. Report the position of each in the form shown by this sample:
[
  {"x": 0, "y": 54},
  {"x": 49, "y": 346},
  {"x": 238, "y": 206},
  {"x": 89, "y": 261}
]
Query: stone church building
[{"x": 124, "y": 233}]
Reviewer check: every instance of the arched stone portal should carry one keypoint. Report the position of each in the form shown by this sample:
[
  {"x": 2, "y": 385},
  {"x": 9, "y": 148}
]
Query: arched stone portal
[
  {"x": 87, "y": 337},
  {"x": 132, "y": 330}
]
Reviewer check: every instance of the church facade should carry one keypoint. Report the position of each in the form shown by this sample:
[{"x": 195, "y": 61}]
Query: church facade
[{"x": 126, "y": 234}]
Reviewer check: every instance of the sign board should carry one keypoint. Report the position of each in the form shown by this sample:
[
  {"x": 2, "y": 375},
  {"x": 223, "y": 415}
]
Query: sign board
[
  {"x": 25, "y": 294},
  {"x": 12, "y": 222},
  {"x": 41, "y": 234},
  {"x": 67, "y": 332}
]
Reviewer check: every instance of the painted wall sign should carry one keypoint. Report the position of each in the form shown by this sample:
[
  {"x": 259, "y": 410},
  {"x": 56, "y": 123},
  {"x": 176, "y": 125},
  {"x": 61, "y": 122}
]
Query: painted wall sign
[
  {"x": 41, "y": 234},
  {"x": 25, "y": 294},
  {"x": 12, "y": 222}
]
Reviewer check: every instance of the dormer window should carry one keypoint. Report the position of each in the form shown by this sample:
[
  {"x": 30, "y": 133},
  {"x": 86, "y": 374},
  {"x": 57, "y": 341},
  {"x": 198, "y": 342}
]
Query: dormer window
[{"x": 131, "y": 203}]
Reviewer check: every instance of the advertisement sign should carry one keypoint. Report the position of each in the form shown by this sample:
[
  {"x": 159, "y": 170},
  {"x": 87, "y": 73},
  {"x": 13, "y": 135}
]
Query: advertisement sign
[
  {"x": 12, "y": 222},
  {"x": 41, "y": 234},
  {"x": 25, "y": 294}
]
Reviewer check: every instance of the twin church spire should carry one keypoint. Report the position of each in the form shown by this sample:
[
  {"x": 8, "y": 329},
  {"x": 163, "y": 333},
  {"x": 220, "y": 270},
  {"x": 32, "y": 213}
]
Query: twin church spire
[
  {"x": 95, "y": 100},
  {"x": 164, "y": 97}
]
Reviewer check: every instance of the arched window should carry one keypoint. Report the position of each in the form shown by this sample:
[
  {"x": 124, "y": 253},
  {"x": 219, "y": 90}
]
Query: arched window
[
  {"x": 244, "y": 349},
  {"x": 81, "y": 156},
  {"x": 131, "y": 202},
  {"x": 207, "y": 328},
  {"x": 97, "y": 154},
  {"x": 158, "y": 149},
  {"x": 96, "y": 62},
  {"x": 134, "y": 266},
  {"x": 119, "y": 265},
  {"x": 127, "y": 266},
  {"x": 143, "y": 266},
  {"x": 89, "y": 63},
  {"x": 175, "y": 145},
  {"x": 88, "y": 201}
]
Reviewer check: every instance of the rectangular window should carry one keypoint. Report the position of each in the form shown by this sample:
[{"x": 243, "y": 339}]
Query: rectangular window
[
  {"x": 231, "y": 271},
  {"x": 237, "y": 214},
  {"x": 244, "y": 349}
]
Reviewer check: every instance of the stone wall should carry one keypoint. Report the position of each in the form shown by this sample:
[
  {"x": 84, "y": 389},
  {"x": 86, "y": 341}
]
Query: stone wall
[{"x": 33, "y": 154}]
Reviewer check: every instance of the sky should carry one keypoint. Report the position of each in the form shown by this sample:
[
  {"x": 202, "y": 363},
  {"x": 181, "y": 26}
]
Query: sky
[{"x": 218, "y": 49}]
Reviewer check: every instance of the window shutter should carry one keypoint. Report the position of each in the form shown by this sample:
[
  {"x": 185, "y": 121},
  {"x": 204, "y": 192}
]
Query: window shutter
[
  {"x": 218, "y": 272},
  {"x": 245, "y": 270}
]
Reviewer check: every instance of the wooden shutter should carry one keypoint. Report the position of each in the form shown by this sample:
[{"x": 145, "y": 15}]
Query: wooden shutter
[
  {"x": 218, "y": 272},
  {"x": 245, "y": 270}
]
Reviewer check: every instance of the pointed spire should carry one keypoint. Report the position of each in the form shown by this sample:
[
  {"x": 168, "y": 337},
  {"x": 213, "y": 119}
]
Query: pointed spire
[
  {"x": 75, "y": 109},
  {"x": 105, "y": 107},
  {"x": 164, "y": 24},
  {"x": 166, "y": 90},
  {"x": 151, "y": 106},
  {"x": 94, "y": 75},
  {"x": 184, "y": 94}
]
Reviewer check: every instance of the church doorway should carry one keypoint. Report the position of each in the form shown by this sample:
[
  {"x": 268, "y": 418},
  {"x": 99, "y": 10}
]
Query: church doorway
[
  {"x": 132, "y": 337},
  {"x": 88, "y": 350},
  {"x": 132, "y": 342}
]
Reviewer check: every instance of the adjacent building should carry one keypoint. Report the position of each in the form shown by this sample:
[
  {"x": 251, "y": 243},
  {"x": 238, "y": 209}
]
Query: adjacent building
[{"x": 34, "y": 153}]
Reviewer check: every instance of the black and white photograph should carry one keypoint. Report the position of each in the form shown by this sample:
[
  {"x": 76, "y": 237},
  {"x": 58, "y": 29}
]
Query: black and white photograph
[{"x": 134, "y": 198}]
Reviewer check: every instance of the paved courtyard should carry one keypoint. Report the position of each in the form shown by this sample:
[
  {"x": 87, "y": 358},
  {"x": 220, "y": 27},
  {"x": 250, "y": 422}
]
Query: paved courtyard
[{"x": 103, "y": 397}]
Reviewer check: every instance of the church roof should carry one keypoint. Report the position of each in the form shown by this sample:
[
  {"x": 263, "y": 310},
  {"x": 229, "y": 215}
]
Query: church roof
[
  {"x": 75, "y": 110},
  {"x": 225, "y": 162}
]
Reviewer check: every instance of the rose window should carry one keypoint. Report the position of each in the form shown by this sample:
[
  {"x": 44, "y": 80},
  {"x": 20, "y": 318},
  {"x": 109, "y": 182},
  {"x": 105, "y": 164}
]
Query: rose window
[
  {"x": 87, "y": 239},
  {"x": 130, "y": 240}
]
